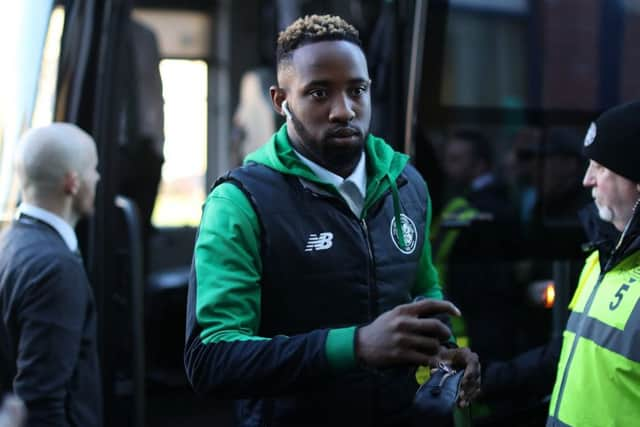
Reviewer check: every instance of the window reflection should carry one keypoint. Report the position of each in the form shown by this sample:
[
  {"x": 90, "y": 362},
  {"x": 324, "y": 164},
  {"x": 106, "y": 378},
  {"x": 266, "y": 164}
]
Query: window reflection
[
  {"x": 185, "y": 150},
  {"x": 31, "y": 32},
  {"x": 550, "y": 54},
  {"x": 45, "y": 97}
]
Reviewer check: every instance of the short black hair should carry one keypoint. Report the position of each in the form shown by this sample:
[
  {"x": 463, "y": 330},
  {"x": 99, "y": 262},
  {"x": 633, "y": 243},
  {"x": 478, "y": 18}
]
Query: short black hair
[
  {"x": 311, "y": 29},
  {"x": 479, "y": 143}
]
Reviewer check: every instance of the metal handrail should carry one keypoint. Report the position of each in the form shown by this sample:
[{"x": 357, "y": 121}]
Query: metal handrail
[{"x": 415, "y": 70}]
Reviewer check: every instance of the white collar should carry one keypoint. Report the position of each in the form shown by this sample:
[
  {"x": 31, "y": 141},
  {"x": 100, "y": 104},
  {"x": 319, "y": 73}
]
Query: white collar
[
  {"x": 60, "y": 225},
  {"x": 358, "y": 177}
]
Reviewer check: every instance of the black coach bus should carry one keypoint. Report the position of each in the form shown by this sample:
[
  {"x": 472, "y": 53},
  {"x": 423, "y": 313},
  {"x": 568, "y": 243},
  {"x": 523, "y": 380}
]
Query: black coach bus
[{"x": 175, "y": 92}]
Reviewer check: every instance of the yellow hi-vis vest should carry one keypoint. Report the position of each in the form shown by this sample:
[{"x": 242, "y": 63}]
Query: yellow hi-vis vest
[
  {"x": 458, "y": 210},
  {"x": 598, "y": 379}
]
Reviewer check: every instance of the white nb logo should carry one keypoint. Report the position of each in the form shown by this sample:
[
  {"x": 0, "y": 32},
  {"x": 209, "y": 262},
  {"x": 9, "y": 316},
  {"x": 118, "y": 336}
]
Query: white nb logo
[{"x": 319, "y": 242}]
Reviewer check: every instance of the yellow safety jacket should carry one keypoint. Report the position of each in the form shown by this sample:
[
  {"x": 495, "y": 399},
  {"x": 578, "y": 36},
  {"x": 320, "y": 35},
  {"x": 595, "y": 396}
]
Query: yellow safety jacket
[
  {"x": 598, "y": 379},
  {"x": 458, "y": 210}
]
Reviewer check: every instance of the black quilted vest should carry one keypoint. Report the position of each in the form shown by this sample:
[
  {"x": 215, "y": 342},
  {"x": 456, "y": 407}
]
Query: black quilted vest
[{"x": 322, "y": 267}]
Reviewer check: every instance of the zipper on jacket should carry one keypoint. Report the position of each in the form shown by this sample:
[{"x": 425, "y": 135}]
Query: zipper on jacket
[
  {"x": 374, "y": 394},
  {"x": 373, "y": 289},
  {"x": 371, "y": 279}
]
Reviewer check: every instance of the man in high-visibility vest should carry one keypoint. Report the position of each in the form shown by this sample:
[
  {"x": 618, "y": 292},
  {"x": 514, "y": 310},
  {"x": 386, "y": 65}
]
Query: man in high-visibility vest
[
  {"x": 598, "y": 377},
  {"x": 469, "y": 240}
]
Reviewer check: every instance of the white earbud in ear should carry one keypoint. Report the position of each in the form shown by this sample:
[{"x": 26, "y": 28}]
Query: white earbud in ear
[{"x": 286, "y": 109}]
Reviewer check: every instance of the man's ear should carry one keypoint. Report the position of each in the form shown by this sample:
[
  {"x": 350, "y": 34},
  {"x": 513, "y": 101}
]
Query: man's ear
[
  {"x": 278, "y": 95},
  {"x": 71, "y": 183}
]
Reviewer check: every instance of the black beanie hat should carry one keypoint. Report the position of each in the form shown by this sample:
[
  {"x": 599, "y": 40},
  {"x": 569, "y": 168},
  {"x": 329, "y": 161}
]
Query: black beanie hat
[{"x": 613, "y": 140}]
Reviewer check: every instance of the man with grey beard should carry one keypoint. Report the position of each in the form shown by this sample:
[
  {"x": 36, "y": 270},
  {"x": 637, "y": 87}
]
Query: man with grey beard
[
  {"x": 596, "y": 364},
  {"x": 598, "y": 377}
]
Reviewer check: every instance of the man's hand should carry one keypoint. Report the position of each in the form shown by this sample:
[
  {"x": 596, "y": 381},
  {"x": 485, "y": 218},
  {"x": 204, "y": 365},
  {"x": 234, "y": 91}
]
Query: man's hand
[
  {"x": 463, "y": 358},
  {"x": 404, "y": 336}
]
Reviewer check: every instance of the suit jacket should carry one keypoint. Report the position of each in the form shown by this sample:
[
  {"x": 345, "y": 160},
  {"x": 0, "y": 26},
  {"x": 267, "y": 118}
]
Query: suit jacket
[{"x": 48, "y": 327}]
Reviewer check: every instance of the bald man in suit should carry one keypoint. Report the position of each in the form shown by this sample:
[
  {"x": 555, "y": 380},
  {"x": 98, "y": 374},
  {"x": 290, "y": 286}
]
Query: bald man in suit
[{"x": 48, "y": 327}]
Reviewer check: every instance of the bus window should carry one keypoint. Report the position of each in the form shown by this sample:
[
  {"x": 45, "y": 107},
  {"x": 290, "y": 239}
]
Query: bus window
[
  {"x": 485, "y": 54},
  {"x": 31, "y": 31},
  {"x": 185, "y": 150},
  {"x": 183, "y": 40},
  {"x": 630, "y": 84},
  {"x": 550, "y": 55},
  {"x": 43, "y": 112}
]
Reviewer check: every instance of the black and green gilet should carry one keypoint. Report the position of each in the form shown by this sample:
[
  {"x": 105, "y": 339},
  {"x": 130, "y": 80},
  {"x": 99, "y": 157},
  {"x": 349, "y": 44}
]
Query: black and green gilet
[{"x": 283, "y": 274}]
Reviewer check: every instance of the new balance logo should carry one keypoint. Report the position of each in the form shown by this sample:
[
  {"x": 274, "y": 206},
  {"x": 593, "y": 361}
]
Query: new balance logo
[{"x": 319, "y": 242}]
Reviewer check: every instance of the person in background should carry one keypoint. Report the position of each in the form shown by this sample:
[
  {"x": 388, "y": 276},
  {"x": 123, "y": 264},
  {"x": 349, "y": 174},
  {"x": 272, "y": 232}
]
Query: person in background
[
  {"x": 310, "y": 256},
  {"x": 471, "y": 240},
  {"x": 141, "y": 126},
  {"x": 469, "y": 167},
  {"x": 521, "y": 162},
  {"x": 48, "y": 328},
  {"x": 254, "y": 120},
  {"x": 561, "y": 195}
]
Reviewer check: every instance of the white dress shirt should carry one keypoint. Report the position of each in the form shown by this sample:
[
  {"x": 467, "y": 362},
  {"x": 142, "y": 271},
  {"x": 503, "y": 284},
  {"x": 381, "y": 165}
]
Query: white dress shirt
[
  {"x": 60, "y": 225},
  {"x": 353, "y": 188}
]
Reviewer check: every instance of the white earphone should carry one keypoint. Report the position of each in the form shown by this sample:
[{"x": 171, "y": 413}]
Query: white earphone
[{"x": 286, "y": 109}]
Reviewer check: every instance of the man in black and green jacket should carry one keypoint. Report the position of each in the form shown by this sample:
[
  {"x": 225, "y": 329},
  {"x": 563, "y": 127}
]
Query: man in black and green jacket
[{"x": 308, "y": 258}]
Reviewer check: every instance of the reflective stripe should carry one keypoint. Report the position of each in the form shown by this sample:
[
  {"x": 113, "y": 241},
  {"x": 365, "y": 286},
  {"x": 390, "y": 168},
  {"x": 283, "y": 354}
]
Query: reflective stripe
[
  {"x": 606, "y": 336},
  {"x": 442, "y": 241},
  {"x": 552, "y": 422}
]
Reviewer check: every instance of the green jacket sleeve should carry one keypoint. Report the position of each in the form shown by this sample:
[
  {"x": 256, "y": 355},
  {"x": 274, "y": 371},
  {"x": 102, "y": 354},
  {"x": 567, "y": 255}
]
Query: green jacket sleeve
[
  {"x": 427, "y": 283},
  {"x": 227, "y": 265}
]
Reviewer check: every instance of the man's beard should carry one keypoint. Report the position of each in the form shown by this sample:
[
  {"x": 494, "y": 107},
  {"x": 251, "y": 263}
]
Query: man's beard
[
  {"x": 605, "y": 213},
  {"x": 332, "y": 157}
]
